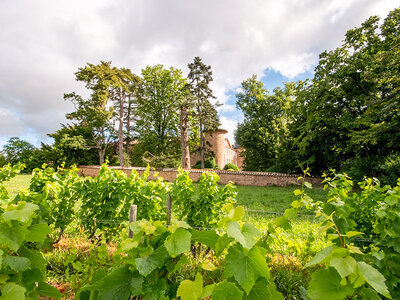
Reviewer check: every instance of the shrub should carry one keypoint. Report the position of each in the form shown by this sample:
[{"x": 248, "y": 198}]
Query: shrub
[
  {"x": 204, "y": 208},
  {"x": 208, "y": 164},
  {"x": 231, "y": 167}
]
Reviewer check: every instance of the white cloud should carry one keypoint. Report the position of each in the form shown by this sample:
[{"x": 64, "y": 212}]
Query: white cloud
[
  {"x": 42, "y": 43},
  {"x": 230, "y": 125}
]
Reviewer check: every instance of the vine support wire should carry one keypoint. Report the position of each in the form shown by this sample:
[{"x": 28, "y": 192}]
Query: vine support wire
[{"x": 132, "y": 218}]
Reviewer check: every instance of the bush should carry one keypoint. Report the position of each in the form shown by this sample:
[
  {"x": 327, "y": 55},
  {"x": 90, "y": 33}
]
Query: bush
[
  {"x": 208, "y": 164},
  {"x": 390, "y": 170},
  {"x": 231, "y": 167}
]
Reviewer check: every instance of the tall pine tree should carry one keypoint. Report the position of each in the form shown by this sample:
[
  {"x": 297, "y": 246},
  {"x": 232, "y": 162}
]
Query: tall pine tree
[{"x": 200, "y": 76}]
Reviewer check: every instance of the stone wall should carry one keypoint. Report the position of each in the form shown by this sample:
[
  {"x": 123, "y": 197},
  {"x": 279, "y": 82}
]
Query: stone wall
[{"x": 240, "y": 178}]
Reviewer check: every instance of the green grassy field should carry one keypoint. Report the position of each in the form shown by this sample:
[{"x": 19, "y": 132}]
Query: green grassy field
[{"x": 272, "y": 198}]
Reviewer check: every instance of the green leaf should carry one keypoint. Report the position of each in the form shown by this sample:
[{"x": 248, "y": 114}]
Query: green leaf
[
  {"x": 206, "y": 237},
  {"x": 146, "y": 265},
  {"x": 245, "y": 266},
  {"x": 226, "y": 290},
  {"x": 12, "y": 236},
  {"x": 22, "y": 212},
  {"x": 374, "y": 278},
  {"x": 12, "y": 291},
  {"x": 282, "y": 222},
  {"x": 391, "y": 200},
  {"x": 325, "y": 284},
  {"x": 308, "y": 185},
  {"x": 296, "y": 204},
  {"x": 128, "y": 244},
  {"x": 154, "y": 287},
  {"x": 36, "y": 259},
  {"x": 38, "y": 232},
  {"x": 222, "y": 243},
  {"x": 191, "y": 290},
  {"x": 17, "y": 263},
  {"x": 368, "y": 294},
  {"x": 263, "y": 290},
  {"x": 30, "y": 277},
  {"x": 47, "y": 290},
  {"x": 350, "y": 234},
  {"x": 297, "y": 192},
  {"x": 116, "y": 285},
  {"x": 137, "y": 285},
  {"x": 247, "y": 236},
  {"x": 290, "y": 213},
  {"x": 237, "y": 213},
  {"x": 320, "y": 257},
  {"x": 207, "y": 291},
  {"x": 344, "y": 266},
  {"x": 178, "y": 242}
]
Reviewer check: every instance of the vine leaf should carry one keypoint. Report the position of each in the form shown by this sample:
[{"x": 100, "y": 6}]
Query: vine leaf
[
  {"x": 38, "y": 232},
  {"x": 325, "y": 284},
  {"x": 374, "y": 278},
  {"x": 116, "y": 285},
  {"x": 146, "y": 265},
  {"x": 245, "y": 266},
  {"x": 13, "y": 236},
  {"x": 320, "y": 256},
  {"x": 22, "y": 212},
  {"x": 206, "y": 237},
  {"x": 12, "y": 291},
  {"x": 47, "y": 290},
  {"x": 263, "y": 290},
  {"x": 17, "y": 263},
  {"x": 178, "y": 242},
  {"x": 191, "y": 290},
  {"x": 226, "y": 290},
  {"x": 344, "y": 266},
  {"x": 247, "y": 236}
]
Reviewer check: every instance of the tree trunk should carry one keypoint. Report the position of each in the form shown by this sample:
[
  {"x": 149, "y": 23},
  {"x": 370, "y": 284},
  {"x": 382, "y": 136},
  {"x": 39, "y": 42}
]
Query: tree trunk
[
  {"x": 185, "y": 138},
  {"x": 128, "y": 125},
  {"x": 201, "y": 145},
  {"x": 101, "y": 156},
  {"x": 120, "y": 129}
]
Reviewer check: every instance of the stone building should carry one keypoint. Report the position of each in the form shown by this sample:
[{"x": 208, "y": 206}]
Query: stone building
[{"x": 218, "y": 145}]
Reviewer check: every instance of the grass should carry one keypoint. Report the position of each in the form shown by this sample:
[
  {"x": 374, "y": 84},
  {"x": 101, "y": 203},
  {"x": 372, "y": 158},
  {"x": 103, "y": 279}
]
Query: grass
[
  {"x": 272, "y": 198},
  {"x": 17, "y": 183}
]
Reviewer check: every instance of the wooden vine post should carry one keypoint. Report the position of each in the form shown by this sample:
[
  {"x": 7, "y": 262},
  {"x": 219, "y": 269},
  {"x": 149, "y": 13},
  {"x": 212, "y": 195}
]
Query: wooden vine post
[{"x": 132, "y": 218}]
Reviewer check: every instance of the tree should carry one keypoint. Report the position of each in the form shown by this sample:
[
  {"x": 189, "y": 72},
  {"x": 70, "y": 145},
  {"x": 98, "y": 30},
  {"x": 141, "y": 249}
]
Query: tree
[
  {"x": 20, "y": 151},
  {"x": 73, "y": 144},
  {"x": 157, "y": 111},
  {"x": 348, "y": 117},
  {"x": 95, "y": 112},
  {"x": 200, "y": 76},
  {"x": 264, "y": 129},
  {"x": 122, "y": 92}
]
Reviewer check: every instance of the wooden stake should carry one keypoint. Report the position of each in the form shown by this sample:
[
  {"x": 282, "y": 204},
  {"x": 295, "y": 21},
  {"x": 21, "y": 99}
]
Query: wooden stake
[
  {"x": 169, "y": 209},
  {"x": 132, "y": 218}
]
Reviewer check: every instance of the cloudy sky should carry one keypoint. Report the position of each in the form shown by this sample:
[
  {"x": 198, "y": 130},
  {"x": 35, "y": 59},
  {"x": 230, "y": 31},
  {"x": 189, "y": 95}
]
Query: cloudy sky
[{"x": 42, "y": 44}]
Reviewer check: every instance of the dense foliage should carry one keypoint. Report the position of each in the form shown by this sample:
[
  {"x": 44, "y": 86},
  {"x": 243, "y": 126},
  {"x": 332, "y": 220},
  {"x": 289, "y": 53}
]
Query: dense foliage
[
  {"x": 22, "y": 234},
  {"x": 205, "y": 208},
  {"x": 346, "y": 117}
]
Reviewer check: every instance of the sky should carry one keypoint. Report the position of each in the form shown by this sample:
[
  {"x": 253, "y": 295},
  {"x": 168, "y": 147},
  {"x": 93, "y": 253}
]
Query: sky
[{"x": 43, "y": 42}]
